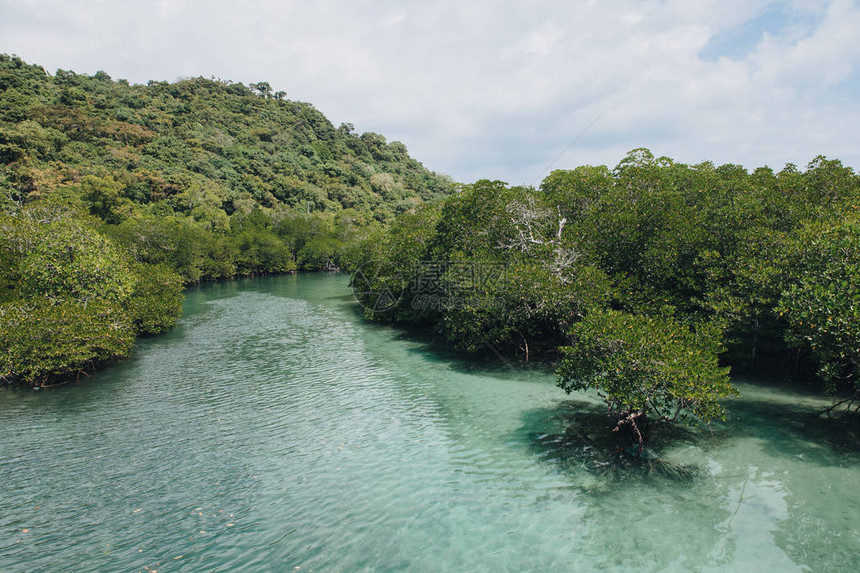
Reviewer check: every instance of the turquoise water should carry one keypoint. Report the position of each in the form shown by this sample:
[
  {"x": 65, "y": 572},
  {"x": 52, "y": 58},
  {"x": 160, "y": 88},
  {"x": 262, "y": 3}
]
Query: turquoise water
[{"x": 274, "y": 430}]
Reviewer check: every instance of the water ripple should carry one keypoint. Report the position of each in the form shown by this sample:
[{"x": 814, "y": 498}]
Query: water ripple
[{"x": 273, "y": 429}]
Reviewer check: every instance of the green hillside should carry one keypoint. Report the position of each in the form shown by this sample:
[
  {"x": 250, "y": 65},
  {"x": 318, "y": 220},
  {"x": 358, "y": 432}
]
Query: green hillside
[
  {"x": 112, "y": 196},
  {"x": 203, "y": 144}
]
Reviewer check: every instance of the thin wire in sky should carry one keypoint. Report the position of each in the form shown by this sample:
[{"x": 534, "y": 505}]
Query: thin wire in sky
[{"x": 571, "y": 144}]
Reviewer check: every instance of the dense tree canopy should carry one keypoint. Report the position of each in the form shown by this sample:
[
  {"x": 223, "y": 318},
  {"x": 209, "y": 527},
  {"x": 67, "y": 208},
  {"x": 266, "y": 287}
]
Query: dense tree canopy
[
  {"x": 210, "y": 177},
  {"x": 820, "y": 300},
  {"x": 643, "y": 275},
  {"x": 72, "y": 298},
  {"x": 113, "y": 195},
  {"x": 197, "y": 144}
]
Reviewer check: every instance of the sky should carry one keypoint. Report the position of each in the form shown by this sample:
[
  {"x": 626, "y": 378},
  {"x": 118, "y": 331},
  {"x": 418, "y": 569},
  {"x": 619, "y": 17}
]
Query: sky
[{"x": 501, "y": 90}]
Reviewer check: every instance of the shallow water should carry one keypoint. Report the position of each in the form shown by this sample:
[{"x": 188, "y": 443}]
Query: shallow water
[{"x": 273, "y": 430}]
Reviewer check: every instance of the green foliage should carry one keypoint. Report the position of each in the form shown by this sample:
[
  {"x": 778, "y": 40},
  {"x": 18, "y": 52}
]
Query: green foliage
[
  {"x": 175, "y": 241},
  {"x": 174, "y": 170},
  {"x": 525, "y": 306},
  {"x": 66, "y": 260},
  {"x": 262, "y": 251},
  {"x": 234, "y": 140},
  {"x": 473, "y": 223},
  {"x": 821, "y": 299},
  {"x": 45, "y": 340},
  {"x": 386, "y": 259},
  {"x": 650, "y": 365},
  {"x": 629, "y": 270},
  {"x": 104, "y": 194},
  {"x": 115, "y": 194},
  {"x": 319, "y": 253},
  {"x": 507, "y": 275},
  {"x": 577, "y": 190},
  {"x": 71, "y": 297},
  {"x": 156, "y": 301}
]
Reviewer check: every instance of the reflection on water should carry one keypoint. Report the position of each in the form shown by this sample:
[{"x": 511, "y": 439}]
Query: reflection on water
[{"x": 274, "y": 429}]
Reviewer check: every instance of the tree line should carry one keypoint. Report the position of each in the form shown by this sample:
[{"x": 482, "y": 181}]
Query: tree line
[{"x": 645, "y": 282}]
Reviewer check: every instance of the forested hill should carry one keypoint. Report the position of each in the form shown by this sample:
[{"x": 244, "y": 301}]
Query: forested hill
[
  {"x": 112, "y": 196},
  {"x": 198, "y": 143}
]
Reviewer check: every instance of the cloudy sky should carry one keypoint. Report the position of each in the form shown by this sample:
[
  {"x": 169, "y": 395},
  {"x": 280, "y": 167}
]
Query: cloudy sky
[{"x": 480, "y": 89}]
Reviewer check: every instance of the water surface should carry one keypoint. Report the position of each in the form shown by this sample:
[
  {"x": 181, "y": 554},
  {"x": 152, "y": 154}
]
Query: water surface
[{"x": 274, "y": 430}]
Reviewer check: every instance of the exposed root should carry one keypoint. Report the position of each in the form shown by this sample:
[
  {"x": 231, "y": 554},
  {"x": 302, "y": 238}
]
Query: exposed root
[{"x": 851, "y": 401}]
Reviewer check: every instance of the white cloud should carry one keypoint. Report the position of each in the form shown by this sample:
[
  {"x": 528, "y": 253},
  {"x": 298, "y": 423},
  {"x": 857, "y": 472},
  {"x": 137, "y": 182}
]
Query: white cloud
[
  {"x": 826, "y": 57},
  {"x": 498, "y": 89}
]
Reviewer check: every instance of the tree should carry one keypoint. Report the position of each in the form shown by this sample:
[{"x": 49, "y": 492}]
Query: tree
[
  {"x": 821, "y": 302},
  {"x": 264, "y": 88},
  {"x": 70, "y": 261},
  {"x": 648, "y": 369},
  {"x": 523, "y": 304},
  {"x": 44, "y": 341},
  {"x": 66, "y": 311},
  {"x": 141, "y": 187},
  {"x": 576, "y": 191},
  {"x": 71, "y": 298}
]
